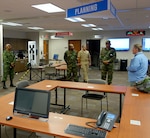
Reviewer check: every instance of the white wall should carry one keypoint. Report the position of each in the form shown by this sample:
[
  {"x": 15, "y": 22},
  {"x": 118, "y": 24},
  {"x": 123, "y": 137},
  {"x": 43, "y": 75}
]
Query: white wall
[{"x": 59, "y": 46}]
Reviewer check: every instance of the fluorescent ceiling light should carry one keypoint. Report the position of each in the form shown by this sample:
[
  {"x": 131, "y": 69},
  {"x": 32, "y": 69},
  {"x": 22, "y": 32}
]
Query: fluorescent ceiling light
[
  {"x": 89, "y": 25},
  {"x": 51, "y": 31},
  {"x": 48, "y": 7},
  {"x": 35, "y": 28},
  {"x": 75, "y": 19},
  {"x": 97, "y": 29},
  {"x": 11, "y": 24}
]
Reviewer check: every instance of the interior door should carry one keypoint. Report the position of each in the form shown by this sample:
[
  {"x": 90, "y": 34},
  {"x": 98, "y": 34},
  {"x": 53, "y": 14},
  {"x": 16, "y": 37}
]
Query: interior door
[
  {"x": 45, "y": 50},
  {"x": 94, "y": 49},
  {"x": 76, "y": 43}
]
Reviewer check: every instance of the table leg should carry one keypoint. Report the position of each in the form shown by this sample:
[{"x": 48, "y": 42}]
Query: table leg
[
  {"x": 41, "y": 74},
  {"x": 56, "y": 99},
  {"x": 64, "y": 105},
  {"x": 65, "y": 108},
  {"x": 0, "y": 131},
  {"x": 15, "y": 132},
  {"x": 64, "y": 73},
  {"x": 56, "y": 96},
  {"x": 30, "y": 74},
  {"x": 120, "y": 108},
  {"x": 42, "y": 70},
  {"x": 64, "y": 98}
]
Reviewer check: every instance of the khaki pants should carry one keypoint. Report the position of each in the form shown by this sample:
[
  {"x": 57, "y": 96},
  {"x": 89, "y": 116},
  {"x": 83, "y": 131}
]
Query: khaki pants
[{"x": 85, "y": 68}]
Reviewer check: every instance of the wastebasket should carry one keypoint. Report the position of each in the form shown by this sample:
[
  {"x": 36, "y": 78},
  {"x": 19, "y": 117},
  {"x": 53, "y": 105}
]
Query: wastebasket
[{"x": 123, "y": 64}]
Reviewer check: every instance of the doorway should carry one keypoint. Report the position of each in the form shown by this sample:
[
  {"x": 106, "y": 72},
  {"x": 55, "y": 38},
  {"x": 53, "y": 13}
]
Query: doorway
[
  {"x": 94, "y": 48},
  {"x": 45, "y": 51},
  {"x": 76, "y": 43}
]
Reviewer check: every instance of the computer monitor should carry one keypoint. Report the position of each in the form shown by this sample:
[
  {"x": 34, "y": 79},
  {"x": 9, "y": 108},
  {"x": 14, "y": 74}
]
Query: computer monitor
[
  {"x": 146, "y": 44},
  {"x": 120, "y": 44},
  {"x": 32, "y": 102}
]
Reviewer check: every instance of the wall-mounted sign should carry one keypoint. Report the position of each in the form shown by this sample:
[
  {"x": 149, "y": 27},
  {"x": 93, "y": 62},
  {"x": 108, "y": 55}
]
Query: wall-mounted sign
[
  {"x": 64, "y": 34},
  {"x": 32, "y": 52},
  {"x": 135, "y": 33}
]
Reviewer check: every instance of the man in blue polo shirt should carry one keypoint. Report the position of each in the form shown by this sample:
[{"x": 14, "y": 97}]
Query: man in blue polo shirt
[{"x": 137, "y": 70}]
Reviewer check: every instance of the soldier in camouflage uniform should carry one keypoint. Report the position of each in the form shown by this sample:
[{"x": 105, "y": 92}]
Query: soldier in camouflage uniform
[
  {"x": 70, "y": 57},
  {"x": 108, "y": 55},
  {"x": 8, "y": 65}
]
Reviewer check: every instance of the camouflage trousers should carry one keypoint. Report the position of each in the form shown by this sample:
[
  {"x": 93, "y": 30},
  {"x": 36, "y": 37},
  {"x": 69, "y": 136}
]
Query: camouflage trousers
[
  {"x": 107, "y": 73},
  {"x": 8, "y": 71},
  {"x": 72, "y": 73}
]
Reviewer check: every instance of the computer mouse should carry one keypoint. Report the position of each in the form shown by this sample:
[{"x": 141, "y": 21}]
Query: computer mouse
[{"x": 8, "y": 118}]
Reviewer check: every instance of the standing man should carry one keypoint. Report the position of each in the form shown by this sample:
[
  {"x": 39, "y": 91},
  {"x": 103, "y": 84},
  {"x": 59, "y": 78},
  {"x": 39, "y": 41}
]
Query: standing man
[
  {"x": 84, "y": 59},
  {"x": 8, "y": 65},
  {"x": 137, "y": 70},
  {"x": 108, "y": 56},
  {"x": 70, "y": 57}
]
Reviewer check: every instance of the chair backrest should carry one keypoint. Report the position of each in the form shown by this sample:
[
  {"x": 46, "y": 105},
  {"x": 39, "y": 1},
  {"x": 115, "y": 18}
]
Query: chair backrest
[
  {"x": 97, "y": 81},
  {"x": 49, "y": 69},
  {"x": 55, "y": 56},
  {"x": 22, "y": 84}
]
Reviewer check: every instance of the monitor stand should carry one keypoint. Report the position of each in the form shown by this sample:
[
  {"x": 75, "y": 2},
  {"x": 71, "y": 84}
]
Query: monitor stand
[
  {"x": 31, "y": 117},
  {"x": 43, "y": 119}
]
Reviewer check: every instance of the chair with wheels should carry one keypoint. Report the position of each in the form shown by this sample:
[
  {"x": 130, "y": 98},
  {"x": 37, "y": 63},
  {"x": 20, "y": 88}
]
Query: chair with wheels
[
  {"x": 22, "y": 84},
  {"x": 94, "y": 96}
]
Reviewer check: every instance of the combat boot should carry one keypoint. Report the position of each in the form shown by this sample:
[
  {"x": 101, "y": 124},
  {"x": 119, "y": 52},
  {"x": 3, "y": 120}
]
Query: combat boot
[
  {"x": 11, "y": 84},
  {"x": 4, "y": 85}
]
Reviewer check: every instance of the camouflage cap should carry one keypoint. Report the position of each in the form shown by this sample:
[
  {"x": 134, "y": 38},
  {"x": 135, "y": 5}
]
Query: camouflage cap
[{"x": 108, "y": 42}]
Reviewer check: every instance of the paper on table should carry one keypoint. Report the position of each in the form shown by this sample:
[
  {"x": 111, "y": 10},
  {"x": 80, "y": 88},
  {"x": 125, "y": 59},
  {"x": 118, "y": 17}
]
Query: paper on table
[
  {"x": 135, "y": 122},
  {"x": 11, "y": 103},
  {"x": 48, "y": 86},
  {"x": 90, "y": 87},
  {"x": 134, "y": 94}
]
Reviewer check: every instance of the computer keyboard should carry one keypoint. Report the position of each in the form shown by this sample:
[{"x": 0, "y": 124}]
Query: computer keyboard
[{"x": 85, "y": 132}]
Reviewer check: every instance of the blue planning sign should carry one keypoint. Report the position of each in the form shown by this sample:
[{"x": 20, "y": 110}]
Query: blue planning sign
[{"x": 91, "y": 8}]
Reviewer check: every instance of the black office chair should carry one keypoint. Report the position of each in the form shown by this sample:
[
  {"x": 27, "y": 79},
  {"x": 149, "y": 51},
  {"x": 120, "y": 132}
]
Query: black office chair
[
  {"x": 22, "y": 84},
  {"x": 94, "y": 96}
]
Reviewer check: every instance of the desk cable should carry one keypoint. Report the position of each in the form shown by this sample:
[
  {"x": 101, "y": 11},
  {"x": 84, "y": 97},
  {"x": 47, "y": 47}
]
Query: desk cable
[{"x": 89, "y": 124}]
